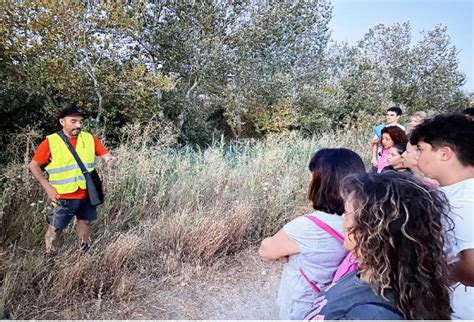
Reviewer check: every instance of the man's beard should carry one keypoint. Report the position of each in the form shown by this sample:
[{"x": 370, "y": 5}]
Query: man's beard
[{"x": 75, "y": 134}]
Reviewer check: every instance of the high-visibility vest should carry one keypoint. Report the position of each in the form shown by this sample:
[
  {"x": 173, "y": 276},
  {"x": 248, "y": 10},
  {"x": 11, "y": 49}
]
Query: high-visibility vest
[{"x": 64, "y": 172}]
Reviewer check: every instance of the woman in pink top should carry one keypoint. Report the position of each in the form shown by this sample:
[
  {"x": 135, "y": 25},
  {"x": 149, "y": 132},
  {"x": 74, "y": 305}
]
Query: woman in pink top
[{"x": 391, "y": 135}]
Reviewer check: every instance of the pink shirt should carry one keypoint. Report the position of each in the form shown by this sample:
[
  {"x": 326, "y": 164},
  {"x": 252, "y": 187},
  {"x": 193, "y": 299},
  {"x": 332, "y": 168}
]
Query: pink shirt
[{"x": 382, "y": 161}]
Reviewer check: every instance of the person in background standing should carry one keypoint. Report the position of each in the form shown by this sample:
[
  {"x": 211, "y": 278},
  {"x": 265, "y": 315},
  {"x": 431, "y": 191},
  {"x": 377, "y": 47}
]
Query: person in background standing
[
  {"x": 392, "y": 117},
  {"x": 391, "y": 135},
  {"x": 416, "y": 119}
]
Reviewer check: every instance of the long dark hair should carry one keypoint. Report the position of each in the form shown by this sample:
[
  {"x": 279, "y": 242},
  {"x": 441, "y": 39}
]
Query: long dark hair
[
  {"x": 399, "y": 229},
  {"x": 328, "y": 168}
]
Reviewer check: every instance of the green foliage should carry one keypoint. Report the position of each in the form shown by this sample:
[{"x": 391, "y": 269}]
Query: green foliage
[
  {"x": 241, "y": 69},
  {"x": 59, "y": 54},
  {"x": 278, "y": 119},
  {"x": 421, "y": 76}
]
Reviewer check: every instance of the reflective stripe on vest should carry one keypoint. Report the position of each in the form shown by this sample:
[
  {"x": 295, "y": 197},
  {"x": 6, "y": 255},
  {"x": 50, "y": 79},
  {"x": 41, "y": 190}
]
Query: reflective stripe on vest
[
  {"x": 68, "y": 180},
  {"x": 70, "y": 167},
  {"x": 64, "y": 172}
]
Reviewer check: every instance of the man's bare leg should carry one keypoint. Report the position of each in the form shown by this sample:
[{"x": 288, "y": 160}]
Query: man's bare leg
[
  {"x": 52, "y": 239},
  {"x": 83, "y": 230}
]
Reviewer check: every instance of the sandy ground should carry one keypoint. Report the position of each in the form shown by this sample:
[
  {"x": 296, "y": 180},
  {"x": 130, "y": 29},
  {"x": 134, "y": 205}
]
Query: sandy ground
[{"x": 244, "y": 289}]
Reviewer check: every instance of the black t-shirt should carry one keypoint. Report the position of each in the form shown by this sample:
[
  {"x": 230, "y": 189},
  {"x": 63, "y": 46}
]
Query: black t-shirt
[{"x": 352, "y": 299}]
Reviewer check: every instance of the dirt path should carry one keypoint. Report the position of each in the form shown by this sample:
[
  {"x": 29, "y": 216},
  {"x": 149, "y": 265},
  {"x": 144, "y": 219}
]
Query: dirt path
[{"x": 245, "y": 290}]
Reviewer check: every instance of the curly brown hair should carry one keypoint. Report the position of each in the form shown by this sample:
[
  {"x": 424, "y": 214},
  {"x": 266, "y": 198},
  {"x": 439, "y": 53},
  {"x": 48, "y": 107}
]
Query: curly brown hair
[
  {"x": 396, "y": 134},
  {"x": 399, "y": 228}
]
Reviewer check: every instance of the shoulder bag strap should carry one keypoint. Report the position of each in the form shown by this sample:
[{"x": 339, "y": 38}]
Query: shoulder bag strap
[
  {"x": 326, "y": 227},
  {"x": 333, "y": 233},
  {"x": 73, "y": 152},
  {"x": 315, "y": 288}
]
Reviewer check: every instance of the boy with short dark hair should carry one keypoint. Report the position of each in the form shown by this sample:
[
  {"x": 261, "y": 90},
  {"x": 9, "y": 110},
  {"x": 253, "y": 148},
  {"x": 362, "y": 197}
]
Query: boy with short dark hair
[{"x": 446, "y": 153}]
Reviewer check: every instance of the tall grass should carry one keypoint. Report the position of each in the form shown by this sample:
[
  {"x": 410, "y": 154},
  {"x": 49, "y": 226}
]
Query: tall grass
[{"x": 164, "y": 207}]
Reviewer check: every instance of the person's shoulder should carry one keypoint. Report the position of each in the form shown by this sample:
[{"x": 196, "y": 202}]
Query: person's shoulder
[
  {"x": 298, "y": 222},
  {"x": 378, "y": 129},
  {"x": 468, "y": 184},
  {"x": 373, "y": 311},
  {"x": 42, "y": 152},
  {"x": 94, "y": 136},
  {"x": 401, "y": 126},
  {"x": 460, "y": 191},
  {"x": 51, "y": 135},
  {"x": 387, "y": 168},
  {"x": 87, "y": 133},
  {"x": 90, "y": 135},
  {"x": 45, "y": 143},
  {"x": 305, "y": 226},
  {"x": 332, "y": 220},
  {"x": 350, "y": 298}
]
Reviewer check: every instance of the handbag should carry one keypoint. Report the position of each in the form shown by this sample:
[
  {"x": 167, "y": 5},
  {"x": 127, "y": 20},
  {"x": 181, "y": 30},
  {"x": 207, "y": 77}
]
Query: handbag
[{"x": 93, "y": 182}]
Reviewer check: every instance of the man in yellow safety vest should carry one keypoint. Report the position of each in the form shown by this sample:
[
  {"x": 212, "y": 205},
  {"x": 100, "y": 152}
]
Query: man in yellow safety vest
[{"x": 66, "y": 186}]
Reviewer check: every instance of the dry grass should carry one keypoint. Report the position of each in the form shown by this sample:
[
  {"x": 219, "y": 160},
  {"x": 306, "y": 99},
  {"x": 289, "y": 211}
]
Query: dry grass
[
  {"x": 166, "y": 210},
  {"x": 36, "y": 287}
]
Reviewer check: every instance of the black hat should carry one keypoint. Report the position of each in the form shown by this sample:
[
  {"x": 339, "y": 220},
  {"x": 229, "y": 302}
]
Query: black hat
[{"x": 71, "y": 111}]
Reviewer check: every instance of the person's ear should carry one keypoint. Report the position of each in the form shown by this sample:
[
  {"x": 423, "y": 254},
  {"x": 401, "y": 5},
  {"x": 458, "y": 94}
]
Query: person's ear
[
  {"x": 446, "y": 153},
  {"x": 61, "y": 121}
]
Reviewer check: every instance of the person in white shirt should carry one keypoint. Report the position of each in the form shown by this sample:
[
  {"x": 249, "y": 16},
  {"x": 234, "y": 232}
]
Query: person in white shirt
[{"x": 446, "y": 153}]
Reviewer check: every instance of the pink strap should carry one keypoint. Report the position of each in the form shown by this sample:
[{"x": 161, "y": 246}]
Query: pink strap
[
  {"x": 329, "y": 230},
  {"x": 313, "y": 286},
  {"x": 348, "y": 264},
  {"x": 326, "y": 228}
]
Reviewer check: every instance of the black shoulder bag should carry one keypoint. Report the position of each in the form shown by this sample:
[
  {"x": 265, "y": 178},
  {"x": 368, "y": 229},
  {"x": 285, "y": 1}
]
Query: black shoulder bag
[{"x": 93, "y": 183}]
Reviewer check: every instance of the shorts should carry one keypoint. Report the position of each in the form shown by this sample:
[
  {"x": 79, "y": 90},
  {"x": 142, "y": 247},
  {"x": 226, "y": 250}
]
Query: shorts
[{"x": 62, "y": 213}]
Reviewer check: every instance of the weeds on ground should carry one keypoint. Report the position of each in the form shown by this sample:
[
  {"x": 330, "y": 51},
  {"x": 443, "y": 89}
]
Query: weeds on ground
[{"x": 164, "y": 207}]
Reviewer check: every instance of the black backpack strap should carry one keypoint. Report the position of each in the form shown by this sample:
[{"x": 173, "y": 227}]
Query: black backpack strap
[{"x": 73, "y": 152}]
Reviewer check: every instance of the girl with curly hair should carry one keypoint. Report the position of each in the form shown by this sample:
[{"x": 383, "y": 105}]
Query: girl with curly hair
[
  {"x": 391, "y": 135},
  {"x": 393, "y": 226}
]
